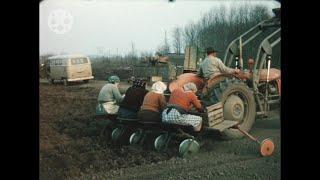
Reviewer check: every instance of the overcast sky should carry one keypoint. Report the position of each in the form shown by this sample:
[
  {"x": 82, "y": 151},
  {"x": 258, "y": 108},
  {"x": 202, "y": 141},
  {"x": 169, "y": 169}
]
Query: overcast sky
[{"x": 108, "y": 26}]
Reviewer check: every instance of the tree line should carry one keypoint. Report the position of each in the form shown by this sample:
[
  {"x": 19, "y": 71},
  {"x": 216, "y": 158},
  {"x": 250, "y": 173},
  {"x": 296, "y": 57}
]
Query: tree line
[{"x": 218, "y": 27}]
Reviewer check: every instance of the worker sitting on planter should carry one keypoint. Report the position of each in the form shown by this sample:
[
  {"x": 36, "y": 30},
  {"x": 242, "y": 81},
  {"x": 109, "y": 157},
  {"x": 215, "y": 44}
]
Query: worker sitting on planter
[
  {"x": 212, "y": 65},
  {"x": 179, "y": 105},
  {"x": 153, "y": 104},
  {"x": 109, "y": 96},
  {"x": 133, "y": 99}
]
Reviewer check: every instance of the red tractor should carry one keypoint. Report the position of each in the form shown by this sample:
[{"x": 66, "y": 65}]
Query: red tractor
[{"x": 249, "y": 93}]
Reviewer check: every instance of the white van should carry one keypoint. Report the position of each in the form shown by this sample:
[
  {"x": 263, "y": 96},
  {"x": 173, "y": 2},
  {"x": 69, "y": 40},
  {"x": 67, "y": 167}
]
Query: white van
[{"x": 69, "y": 68}]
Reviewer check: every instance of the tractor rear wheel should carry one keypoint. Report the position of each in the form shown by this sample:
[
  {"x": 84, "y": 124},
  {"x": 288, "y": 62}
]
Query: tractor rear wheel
[{"x": 238, "y": 105}]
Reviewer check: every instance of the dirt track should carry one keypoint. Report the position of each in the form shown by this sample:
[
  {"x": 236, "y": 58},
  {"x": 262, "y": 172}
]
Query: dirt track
[{"x": 70, "y": 146}]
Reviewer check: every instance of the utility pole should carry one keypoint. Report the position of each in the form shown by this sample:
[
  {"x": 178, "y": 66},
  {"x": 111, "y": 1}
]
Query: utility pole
[
  {"x": 117, "y": 56},
  {"x": 132, "y": 58},
  {"x": 166, "y": 45}
]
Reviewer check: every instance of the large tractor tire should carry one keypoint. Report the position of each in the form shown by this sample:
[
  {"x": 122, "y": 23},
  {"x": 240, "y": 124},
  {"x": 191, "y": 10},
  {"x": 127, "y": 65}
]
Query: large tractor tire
[{"x": 238, "y": 105}]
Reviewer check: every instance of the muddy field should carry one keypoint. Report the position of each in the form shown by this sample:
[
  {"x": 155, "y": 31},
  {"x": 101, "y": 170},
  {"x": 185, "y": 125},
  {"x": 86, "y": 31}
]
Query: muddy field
[{"x": 71, "y": 148}]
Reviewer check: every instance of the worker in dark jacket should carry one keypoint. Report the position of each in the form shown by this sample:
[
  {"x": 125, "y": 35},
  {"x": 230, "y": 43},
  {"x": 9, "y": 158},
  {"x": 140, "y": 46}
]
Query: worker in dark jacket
[{"x": 133, "y": 99}]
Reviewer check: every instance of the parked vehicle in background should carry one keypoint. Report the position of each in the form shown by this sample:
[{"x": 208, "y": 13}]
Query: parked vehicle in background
[{"x": 69, "y": 68}]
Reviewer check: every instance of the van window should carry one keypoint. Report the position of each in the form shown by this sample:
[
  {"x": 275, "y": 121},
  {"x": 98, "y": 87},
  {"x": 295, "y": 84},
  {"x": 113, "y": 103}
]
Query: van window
[
  {"x": 64, "y": 62},
  {"x": 75, "y": 61},
  {"x": 58, "y": 62},
  {"x": 52, "y": 62}
]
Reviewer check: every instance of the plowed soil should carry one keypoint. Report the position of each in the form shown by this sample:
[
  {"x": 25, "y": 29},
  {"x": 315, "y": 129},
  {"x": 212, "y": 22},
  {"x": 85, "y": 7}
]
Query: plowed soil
[{"x": 71, "y": 146}]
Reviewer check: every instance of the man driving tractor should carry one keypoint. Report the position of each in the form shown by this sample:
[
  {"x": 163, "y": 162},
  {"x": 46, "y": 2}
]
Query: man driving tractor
[{"x": 212, "y": 65}]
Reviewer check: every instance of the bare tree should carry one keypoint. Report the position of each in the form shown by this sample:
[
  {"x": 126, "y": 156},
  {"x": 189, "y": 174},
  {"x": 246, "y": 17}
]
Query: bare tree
[
  {"x": 218, "y": 28},
  {"x": 177, "y": 40},
  {"x": 189, "y": 34},
  {"x": 146, "y": 54},
  {"x": 134, "y": 55},
  {"x": 165, "y": 47}
]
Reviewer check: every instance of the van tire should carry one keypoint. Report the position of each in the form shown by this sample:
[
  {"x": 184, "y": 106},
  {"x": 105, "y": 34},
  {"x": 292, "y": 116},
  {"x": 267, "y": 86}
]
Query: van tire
[
  {"x": 65, "y": 82},
  {"x": 51, "y": 81},
  {"x": 86, "y": 81}
]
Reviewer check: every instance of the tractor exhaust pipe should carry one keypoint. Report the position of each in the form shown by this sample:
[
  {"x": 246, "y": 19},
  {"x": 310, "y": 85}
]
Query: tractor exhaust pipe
[{"x": 267, "y": 84}]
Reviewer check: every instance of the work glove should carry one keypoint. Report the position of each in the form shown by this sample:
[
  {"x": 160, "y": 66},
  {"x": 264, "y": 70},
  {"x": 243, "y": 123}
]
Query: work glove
[
  {"x": 199, "y": 95},
  {"x": 237, "y": 71},
  {"x": 202, "y": 110}
]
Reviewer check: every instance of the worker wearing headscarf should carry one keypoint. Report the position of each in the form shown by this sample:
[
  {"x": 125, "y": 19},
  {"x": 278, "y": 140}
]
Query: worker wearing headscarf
[
  {"x": 179, "y": 105},
  {"x": 133, "y": 99},
  {"x": 153, "y": 104},
  {"x": 110, "y": 96}
]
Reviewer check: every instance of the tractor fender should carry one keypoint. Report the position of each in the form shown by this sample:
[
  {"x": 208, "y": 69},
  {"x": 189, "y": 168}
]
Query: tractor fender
[
  {"x": 202, "y": 84},
  {"x": 186, "y": 78},
  {"x": 274, "y": 74},
  {"x": 216, "y": 79}
]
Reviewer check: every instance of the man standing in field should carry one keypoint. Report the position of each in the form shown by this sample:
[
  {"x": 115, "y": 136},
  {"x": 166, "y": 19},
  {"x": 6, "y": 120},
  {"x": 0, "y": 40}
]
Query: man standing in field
[{"x": 212, "y": 65}]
